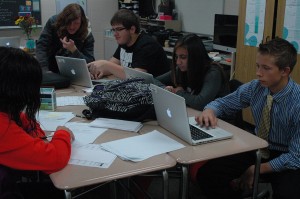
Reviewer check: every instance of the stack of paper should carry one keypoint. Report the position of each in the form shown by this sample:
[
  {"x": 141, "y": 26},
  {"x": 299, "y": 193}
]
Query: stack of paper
[
  {"x": 141, "y": 147},
  {"x": 69, "y": 100},
  {"x": 51, "y": 120},
  {"x": 117, "y": 124}
]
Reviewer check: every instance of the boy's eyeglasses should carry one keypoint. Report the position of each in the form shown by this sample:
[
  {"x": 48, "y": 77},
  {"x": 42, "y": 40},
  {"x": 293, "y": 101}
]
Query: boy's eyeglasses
[{"x": 119, "y": 29}]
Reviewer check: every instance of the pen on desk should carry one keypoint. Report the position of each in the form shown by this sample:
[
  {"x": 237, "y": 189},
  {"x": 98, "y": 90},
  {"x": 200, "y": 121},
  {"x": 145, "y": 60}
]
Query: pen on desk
[
  {"x": 45, "y": 137},
  {"x": 81, "y": 116}
]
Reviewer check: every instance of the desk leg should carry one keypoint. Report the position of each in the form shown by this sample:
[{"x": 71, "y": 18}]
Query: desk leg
[
  {"x": 165, "y": 184},
  {"x": 184, "y": 182},
  {"x": 256, "y": 174},
  {"x": 113, "y": 190},
  {"x": 68, "y": 194}
]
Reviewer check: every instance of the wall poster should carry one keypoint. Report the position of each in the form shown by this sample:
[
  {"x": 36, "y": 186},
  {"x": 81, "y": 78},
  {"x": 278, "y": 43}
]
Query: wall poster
[
  {"x": 291, "y": 26},
  {"x": 255, "y": 21}
]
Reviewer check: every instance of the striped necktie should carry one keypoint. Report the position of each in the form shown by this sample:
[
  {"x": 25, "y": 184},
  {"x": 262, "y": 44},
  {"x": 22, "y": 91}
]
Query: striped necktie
[{"x": 264, "y": 128}]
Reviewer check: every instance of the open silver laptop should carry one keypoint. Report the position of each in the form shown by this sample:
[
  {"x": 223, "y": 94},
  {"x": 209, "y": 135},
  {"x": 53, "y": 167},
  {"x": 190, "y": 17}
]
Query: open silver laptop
[
  {"x": 75, "y": 69},
  {"x": 131, "y": 72},
  {"x": 10, "y": 41},
  {"x": 171, "y": 114}
]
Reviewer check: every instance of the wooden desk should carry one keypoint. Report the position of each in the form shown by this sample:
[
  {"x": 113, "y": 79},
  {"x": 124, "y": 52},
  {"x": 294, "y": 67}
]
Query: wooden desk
[
  {"x": 241, "y": 141},
  {"x": 74, "y": 176}
]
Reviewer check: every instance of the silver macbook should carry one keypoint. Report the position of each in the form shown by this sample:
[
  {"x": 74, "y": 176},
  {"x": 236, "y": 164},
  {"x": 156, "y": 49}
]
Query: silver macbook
[
  {"x": 10, "y": 41},
  {"x": 171, "y": 114},
  {"x": 131, "y": 72},
  {"x": 75, "y": 69}
]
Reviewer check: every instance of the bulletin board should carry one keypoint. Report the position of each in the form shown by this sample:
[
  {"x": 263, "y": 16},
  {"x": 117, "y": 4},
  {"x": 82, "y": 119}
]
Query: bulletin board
[{"x": 10, "y": 9}]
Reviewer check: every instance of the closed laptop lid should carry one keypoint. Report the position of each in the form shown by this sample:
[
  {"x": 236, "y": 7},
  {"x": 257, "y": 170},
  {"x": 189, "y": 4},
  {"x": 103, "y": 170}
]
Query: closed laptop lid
[
  {"x": 171, "y": 112},
  {"x": 132, "y": 73},
  {"x": 10, "y": 41},
  {"x": 75, "y": 69}
]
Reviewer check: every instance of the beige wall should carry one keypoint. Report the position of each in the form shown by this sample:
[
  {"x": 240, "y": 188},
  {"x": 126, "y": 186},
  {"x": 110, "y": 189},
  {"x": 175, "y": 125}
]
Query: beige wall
[
  {"x": 198, "y": 15},
  {"x": 100, "y": 13},
  {"x": 231, "y": 7}
]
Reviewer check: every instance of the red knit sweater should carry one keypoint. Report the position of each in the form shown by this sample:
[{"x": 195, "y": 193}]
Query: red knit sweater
[{"x": 20, "y": 150}]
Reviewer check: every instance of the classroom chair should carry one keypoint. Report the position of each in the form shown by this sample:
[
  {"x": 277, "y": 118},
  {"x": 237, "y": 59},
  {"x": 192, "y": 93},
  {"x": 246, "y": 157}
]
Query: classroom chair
[{"x": 8, "y": 188}]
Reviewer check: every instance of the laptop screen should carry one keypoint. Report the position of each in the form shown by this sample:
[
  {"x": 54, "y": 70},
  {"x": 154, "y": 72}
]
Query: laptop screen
[
  {"x": 131, "y": 73},
  {"x": 10, "y": 41},
  {"x": 75, "y": 69}
]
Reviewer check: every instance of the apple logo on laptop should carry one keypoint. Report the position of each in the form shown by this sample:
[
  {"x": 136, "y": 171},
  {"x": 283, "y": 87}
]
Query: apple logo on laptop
[
  {"x": 169, "y": 113},
  {"x": 73, "y": 72},
  {"x": 7, "y": 44}
]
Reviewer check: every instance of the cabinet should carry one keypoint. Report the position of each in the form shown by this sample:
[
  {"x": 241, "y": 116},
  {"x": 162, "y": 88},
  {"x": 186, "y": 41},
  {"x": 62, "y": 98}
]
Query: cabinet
[
  {"x": 245, "y": 69},
  {"x": 110, "y": 46},
  {"x": 228, "y": 63}
]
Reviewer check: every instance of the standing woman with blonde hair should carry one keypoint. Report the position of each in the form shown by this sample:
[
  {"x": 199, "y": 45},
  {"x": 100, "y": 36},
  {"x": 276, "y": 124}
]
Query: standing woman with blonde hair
[{"x": 66, "y": 34}]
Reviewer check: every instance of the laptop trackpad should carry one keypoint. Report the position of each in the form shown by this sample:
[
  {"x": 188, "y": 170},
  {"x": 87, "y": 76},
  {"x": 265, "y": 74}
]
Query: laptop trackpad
[{"x": 215, "y": 132}]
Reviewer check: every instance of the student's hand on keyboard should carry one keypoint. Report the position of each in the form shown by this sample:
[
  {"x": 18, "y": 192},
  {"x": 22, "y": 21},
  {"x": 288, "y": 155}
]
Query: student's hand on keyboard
[
  {"x": 174, "y": 90},
  {"x": 169, "y": 88},
  {"x": 207, "y": 118},
  {"x": 179, "y": 88},
  {"x": 99, "y": 69}
]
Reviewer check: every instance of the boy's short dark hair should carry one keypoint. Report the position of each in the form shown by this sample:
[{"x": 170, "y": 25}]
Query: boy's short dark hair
[
  {"x": 127, "y": 18},
  {"x": 283, "y": 51}
]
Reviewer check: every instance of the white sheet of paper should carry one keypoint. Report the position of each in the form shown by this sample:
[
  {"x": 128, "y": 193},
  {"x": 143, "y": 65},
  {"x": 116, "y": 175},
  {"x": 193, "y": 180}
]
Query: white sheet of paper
[
  {"x": 84, "y": 134},
  {"x": 141, "y": 147},
  {"x": 50, "y": 120},
  {"x": 117, "y": 124},
  {"x": 91, "y": 155},
  {"x": 69, "y": 100},
  {"x": 88, "y": 90}
]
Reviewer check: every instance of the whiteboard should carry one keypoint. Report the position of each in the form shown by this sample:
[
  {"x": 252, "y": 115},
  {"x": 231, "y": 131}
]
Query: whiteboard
[
  {"x": 198, "y": 15},
  {"x": 61, "y": 4}
]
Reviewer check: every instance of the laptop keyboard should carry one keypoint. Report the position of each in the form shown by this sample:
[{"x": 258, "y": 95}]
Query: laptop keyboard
[{"x": 198, "y": 134}]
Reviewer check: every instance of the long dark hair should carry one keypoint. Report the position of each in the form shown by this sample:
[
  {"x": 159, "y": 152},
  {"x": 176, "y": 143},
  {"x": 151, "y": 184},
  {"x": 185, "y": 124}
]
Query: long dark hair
[
  {"x": 70, "y": 13},
  {"x": 20, "y": 81},
  {"x": 198, "y": 63}
]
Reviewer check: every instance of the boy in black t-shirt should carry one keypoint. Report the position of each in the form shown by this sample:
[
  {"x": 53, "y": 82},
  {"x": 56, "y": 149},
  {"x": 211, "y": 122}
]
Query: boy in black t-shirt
[{"x": 136, "y": 50}]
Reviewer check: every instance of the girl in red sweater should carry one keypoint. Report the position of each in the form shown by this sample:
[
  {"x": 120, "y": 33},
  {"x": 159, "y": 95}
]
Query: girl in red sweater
[{"x": 21, "y": 146}]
